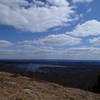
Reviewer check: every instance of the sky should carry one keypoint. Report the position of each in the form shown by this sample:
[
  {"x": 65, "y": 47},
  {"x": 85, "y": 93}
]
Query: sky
[{"x": 50, "y": 29}]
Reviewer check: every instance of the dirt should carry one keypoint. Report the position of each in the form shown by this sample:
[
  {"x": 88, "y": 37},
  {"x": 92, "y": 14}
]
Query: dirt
[{"x": 25, "y": 88}]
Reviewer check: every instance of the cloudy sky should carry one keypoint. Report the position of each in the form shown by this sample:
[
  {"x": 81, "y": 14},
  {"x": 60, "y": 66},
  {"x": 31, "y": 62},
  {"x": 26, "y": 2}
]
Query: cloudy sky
[{"x": 50, "y": 29}]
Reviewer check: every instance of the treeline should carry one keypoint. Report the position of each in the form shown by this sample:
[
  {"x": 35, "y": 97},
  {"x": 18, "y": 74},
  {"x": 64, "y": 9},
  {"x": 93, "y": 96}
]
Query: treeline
[{"x": 96, "y": 87}]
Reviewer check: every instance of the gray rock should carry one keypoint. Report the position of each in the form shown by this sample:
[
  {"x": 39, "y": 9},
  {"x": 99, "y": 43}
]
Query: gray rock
[
  {"x": 12, "y": 83},
  {"x": 28, "y": 90}
]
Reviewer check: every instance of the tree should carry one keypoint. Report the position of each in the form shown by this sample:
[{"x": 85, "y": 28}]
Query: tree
[{"x": 96, "y": 87}]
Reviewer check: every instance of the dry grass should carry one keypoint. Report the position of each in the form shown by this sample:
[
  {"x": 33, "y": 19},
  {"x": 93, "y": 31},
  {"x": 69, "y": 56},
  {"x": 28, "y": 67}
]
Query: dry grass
[{"x": 24, "y": 88}]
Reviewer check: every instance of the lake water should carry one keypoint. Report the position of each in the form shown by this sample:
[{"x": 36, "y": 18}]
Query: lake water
[{"x": 34, "y": 67}]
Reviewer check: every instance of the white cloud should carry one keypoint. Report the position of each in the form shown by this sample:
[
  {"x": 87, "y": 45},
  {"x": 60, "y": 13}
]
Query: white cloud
[
  {"x": 58, "y": 2},
  {"x": 15, "y": 54},
  {"x": 59, "y": 40},
  {"x": 35, "y": 53},
  {"x": 4, "y": 43},
  {"x": 47, "y": 42},
  {"x": 50, "y": 52},
  {"x": 95, "y": 41},
  {"x": 89, "y": 10},
  {"x": 86, "y": 53},
  {"x": 33, "y": 17},
  {"x": 81, "y": 1},
  {"x": 13, "y": 3},
  {"x": 25, "y": 42},
  {"x": 27, "y": 46},
  {"x": 89, "y": 28},
  {"x": 82, "y": 53},
  {"x": 55, "y": 40}
]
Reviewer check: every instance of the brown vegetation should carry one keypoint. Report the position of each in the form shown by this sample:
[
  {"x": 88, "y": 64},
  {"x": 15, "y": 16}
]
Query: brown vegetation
[{"x": 17, "y": 84}]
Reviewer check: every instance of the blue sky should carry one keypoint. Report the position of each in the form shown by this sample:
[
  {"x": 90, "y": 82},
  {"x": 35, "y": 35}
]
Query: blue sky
[{"x": 50, "y": 29}]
